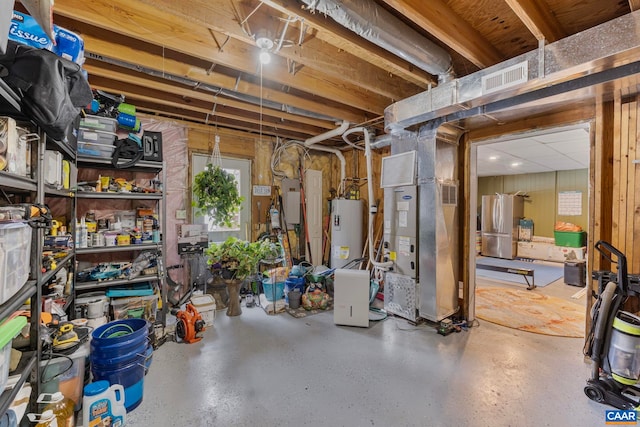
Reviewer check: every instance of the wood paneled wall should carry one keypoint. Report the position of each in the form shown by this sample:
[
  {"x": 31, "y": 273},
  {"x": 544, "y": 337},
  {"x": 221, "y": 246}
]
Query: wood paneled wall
[
  {"x": 543, "y": 189},
  {"x": 616, "y": 180}
]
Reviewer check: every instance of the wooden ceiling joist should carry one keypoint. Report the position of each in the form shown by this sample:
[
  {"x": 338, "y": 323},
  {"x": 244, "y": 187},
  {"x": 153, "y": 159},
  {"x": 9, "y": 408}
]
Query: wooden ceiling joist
[
  {"x": 137, "y": 21},
  {"x": 435, "y": 17},
  {"x": 538, "y": 19},
  {"x": 342, "y": 38},
  {"x": 209, "y": 97},
  {"x": 313, "y": 53},
  {"x": 154, "y": 62}
]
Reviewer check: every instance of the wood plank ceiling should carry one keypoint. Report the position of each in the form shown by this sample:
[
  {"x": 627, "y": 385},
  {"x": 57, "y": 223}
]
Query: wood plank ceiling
[{"x": 198, "y": 60}]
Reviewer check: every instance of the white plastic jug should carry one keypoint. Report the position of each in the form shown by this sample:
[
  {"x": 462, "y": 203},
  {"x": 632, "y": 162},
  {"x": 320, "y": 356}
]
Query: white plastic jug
[{"x": 102, "y": 404}]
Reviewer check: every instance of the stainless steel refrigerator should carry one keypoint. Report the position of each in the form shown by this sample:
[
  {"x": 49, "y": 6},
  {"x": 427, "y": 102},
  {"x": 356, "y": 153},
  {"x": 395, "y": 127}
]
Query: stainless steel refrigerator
[{"x": 501, "y": 214}]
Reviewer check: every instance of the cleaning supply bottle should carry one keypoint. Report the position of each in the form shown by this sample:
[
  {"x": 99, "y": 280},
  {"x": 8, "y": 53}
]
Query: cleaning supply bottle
[
  {"x": 46, "y": 419},
  {"x": 62, "y": 408},
  {"x": 275, "y": 218},
  {"x": 83, "y": 234},
  {"x": 103, "y": 404}
]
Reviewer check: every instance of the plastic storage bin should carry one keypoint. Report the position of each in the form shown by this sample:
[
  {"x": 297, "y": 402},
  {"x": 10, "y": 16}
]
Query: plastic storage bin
[
  {"x": 267, "y": 287},
  {"x": 206, "y": 306},
  {"x": 572, "y": 239},
  {"x": 96, "y": 136},
  {"x": 15, "y": 255},
  {"x": 66, "y": 375},
  {"x": 106, "y": 124},
  {"x": 135, "y": 308},
  {"x": 8, "y": 332},
  {"x": 96, "y": 150}
]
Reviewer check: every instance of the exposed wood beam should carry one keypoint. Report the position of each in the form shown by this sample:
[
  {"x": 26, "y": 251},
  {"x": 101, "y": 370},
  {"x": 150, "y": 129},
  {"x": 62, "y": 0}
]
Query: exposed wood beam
[
  {"x": 136, "y": 20},
  {"x": 345, "y": 39},
  {"x": 155, "y": 97},
  {"x": 154, "y": 62},
  {"x": 435, "y": 17},
  {"x": 538, "y": 19},
  {"x": 209, "y": 97},
  {"x": 634, "y": 5},
  {"x": 314, "y": 53},
  {"x": 239, "y": 127},
  {"x": 545, "y": 121},
  {"x": 178, "y": 112}
]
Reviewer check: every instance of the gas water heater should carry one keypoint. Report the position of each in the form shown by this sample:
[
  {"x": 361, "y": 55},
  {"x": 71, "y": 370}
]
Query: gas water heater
[{"x": 346, "y": 231}]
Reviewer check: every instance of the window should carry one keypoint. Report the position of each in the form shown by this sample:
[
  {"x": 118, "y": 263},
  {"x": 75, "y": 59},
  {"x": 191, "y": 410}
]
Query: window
[{"x": 241, "y": 169}]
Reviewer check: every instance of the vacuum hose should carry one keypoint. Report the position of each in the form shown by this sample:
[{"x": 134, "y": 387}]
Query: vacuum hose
[{"x": 601, "y": 327}]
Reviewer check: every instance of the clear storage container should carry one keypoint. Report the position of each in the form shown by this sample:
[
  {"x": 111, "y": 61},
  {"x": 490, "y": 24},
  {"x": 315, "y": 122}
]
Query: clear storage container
[
  {"x": 97, "y": 150},
  {"x": 96, "y": 136},
  {"x": 8, "y": 331},
  {"x": 106, "y": 124},
  {"x": 15, "y": 256},
  {"x": 135, "y": 307}
]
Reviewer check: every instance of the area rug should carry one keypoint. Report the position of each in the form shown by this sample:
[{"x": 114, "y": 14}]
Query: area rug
[
  {"x": 542, "y": 273},
  {"x": 300, "y": 312},
  {"x": 530, "y": 311}
]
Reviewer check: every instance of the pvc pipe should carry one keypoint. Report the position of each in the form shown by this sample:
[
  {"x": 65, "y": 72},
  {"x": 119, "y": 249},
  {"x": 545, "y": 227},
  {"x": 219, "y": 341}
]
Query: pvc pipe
[
  {"x": 372, "y": 208},
  {"x": 330, "y": 134},
  {"x": 343, "y": 162}
]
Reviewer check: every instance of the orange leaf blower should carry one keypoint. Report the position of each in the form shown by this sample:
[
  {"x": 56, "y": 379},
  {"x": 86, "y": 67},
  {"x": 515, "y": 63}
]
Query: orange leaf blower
[{"x": 190, "y": 327}]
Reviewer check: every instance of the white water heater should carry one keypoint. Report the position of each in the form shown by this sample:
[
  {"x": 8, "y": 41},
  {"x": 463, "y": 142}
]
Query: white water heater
[{"x": 346, "y": 231}]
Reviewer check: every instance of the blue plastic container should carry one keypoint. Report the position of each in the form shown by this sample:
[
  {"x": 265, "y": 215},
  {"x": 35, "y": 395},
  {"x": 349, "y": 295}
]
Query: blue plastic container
[
  {"x": 293, "y": 284},
  {"x": 119, "y": 352},
  {"x": 130, "y": 376},
  {"x": 267, "y": 287}
]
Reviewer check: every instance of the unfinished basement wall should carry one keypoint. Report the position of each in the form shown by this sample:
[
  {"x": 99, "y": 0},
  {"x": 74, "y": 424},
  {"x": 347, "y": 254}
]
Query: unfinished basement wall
[{"x": 248, "y": 146}]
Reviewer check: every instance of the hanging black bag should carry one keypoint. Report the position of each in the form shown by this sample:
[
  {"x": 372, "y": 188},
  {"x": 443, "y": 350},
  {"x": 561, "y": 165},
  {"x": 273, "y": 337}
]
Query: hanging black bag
[
  {"x": 127, "y": 148},
  {"x": 52, "y": 89}
]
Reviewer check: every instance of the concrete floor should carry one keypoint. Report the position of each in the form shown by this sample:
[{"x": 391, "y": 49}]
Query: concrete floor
[{"x": 261, "y": 370}]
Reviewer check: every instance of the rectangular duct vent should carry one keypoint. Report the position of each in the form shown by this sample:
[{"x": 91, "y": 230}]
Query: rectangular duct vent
[
  {"x": 449, "y": 194},
  {"x": 505, "y": 78}
]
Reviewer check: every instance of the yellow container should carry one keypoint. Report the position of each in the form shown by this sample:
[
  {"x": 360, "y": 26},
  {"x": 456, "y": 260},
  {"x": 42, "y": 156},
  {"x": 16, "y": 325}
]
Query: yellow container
[{"x": 123, "y": 239}]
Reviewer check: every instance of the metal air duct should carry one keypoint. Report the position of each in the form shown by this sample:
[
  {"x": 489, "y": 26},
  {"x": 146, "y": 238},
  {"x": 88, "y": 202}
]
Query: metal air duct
[{"x": 375, "y": 24}]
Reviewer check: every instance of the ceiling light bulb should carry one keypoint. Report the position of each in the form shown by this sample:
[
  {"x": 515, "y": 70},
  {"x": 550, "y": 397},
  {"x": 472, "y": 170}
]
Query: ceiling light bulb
[
  {"x": 493, "y": 158},
  {"x": 265, "y": 57},
  {"x": 515, "y": 164}
]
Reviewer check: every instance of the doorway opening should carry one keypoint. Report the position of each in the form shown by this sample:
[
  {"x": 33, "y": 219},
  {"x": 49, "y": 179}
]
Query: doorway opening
[{"x": 522, "y": 187}]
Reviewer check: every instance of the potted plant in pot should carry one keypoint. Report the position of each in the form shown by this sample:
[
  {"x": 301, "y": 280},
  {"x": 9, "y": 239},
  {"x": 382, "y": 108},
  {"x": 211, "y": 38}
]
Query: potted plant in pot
[
  {"x": 217, "y": 195},
  {"x": 235, "y": 260}
]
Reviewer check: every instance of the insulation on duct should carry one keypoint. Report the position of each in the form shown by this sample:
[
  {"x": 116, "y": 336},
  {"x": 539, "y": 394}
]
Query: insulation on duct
[{"x": 372, "y": 22}]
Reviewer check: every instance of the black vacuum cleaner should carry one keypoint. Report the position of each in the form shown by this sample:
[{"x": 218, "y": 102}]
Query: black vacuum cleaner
[{"x": 613, "y": 343}]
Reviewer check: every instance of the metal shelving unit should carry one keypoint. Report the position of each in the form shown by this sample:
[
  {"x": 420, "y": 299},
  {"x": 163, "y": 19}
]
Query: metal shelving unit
[
  {"x": 145, "y": 167},
  {"x": 32, "y": 189}
]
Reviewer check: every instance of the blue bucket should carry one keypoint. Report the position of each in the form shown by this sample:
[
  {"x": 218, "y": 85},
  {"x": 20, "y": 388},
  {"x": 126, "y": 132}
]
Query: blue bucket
[
  {"x": 119, "y": 354},
  {"x": 130, "y": 376},
  {"x": 293, "y": 284}
]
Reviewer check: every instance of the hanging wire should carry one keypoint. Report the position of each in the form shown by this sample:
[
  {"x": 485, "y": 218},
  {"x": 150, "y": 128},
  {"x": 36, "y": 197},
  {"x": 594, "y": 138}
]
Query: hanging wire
[{"x": 281, "y": 148}]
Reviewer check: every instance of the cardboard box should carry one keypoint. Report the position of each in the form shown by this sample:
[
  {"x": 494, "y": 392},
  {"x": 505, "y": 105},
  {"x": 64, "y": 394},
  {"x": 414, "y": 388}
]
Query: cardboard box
[{"x": 549, "y": 252}]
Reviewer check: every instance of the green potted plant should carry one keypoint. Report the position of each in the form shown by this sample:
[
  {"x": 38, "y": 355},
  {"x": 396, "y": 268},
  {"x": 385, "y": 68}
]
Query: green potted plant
[
  {"x": 216, "y": 195},
  {"x": 235, "y": 260}
]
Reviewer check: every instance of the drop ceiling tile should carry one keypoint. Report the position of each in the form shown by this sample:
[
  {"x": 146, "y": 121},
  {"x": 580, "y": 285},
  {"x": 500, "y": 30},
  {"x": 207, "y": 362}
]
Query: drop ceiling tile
[
  {"x": 570, "y": 135},
  {"x": 570, "y": 146},
  {"x": 538, "y": 150}
]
